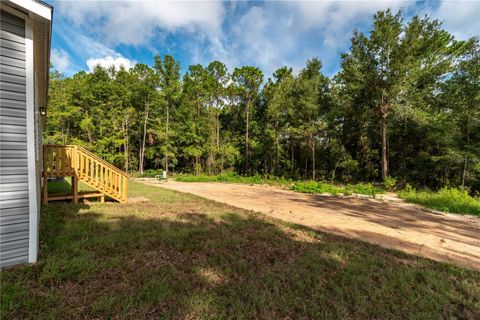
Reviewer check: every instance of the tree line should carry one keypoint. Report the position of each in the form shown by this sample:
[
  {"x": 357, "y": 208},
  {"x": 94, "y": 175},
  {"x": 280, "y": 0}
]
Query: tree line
[{"x": 405, "y": 104}]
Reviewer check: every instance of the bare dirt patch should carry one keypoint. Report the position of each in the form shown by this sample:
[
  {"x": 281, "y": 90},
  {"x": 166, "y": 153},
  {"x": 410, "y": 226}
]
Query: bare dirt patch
[
  {"x": 388, "y": 223},
  {"x": 139, "y": 199}
]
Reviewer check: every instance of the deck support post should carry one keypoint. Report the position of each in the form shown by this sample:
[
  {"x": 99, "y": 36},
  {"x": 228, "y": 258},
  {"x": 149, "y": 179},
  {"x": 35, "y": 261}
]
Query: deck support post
[
  {"x": 75, "y": 188},
  {"x": 45, "y": 189}
]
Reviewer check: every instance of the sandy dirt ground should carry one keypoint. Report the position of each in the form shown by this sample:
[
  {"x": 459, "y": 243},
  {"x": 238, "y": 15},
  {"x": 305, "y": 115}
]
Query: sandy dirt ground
[{"x": 390, "y": 223}]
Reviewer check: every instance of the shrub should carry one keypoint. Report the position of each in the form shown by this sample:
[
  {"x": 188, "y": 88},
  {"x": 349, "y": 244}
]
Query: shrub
[
  {"x": 316, "y": 187},
  {"x": 455, "y": 200},
  {"x": 408, "y": 188},
  {"x": 389, "y": 183},
  {"x": 151, "y": 173},
  {"x": 233, "y": 178},
  {"x": 364, "y": 188}
]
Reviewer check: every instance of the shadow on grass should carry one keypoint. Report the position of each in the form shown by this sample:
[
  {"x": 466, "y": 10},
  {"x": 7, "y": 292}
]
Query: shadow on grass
[
  {"x": 113, "y": 261},
  {"x": 64, "y": 185},
  {"x": 398, "y": 217}
]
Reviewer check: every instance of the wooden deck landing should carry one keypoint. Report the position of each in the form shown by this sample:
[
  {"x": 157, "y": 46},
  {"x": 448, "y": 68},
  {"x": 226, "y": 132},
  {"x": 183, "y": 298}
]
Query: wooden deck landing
[{"x": 82, "y": 165}]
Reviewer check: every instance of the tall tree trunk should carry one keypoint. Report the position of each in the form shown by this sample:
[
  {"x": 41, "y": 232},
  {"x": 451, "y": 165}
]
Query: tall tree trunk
[
  {"x": 217, "y": 113},
  {"x": 89, "y": 135},
  {"x": 384, "y": 147},
  {"x": 125, "y": 144},
  {"x": 197, "y": 160},
  {"x": 142, "y": 148},
  {"x": 305, "y": 173},
  {"x": 218, "y": 129},
  {"x": 276, "y": 147},
  {"x": 246, "y": 139},
  {"x": 313, "y": 160},
  {"x": 335, "y": 171},
  {"x": 292, "y": 159},
  {"x": 466, "y": 158},
  {"x": 464, "y": 171},
  {"x": 167, "y": 137}
]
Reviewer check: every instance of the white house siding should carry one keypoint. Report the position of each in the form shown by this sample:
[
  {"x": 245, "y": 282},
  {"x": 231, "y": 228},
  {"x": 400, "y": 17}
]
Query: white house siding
[{"x": 14, "y": 191}]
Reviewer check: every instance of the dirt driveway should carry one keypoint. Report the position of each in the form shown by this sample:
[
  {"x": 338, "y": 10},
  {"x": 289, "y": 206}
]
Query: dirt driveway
[{"x": 391, "y": 224}]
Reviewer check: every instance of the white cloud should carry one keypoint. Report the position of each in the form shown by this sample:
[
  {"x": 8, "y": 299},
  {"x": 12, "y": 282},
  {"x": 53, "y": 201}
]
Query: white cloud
[
  {"x": 135, "y": 23},
  {"x": 462, "y": 18},
  {"x": 263, "y": 36},
  {"x": 109, "y": 61},
  {"x": 273, "y": 34},
  {"x": 84, "y": 49},
  {"x": 268, "y": 34},
  {"x": 337, "y": 18},
  {"x": 60, "y": 59}
]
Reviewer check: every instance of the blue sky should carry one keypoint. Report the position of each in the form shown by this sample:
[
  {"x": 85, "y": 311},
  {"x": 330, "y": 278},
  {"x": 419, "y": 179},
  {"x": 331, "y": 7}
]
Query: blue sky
[{"x": 267, "y": 34}]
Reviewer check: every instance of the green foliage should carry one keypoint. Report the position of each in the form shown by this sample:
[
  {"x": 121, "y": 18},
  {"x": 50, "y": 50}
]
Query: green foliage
[
  {"x": 447, "y": 199},
  {"x": 404, "y": 104},
  {"x": 316, "y": 187},
  {"x": 151, "y": 173},
  {"x": 232, "y": 177},
  {"x": 364, "y": 188},
  {"x": 299, "y": 186},
  {"x": 389, "y": 183},
  {"x": 321, "y": 187}
]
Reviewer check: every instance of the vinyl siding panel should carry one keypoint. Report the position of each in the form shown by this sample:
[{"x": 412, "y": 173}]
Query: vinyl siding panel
[
  {"x": 12, "y": 86},
  {"x": 12, "y": 95},
  {"x": 14, "y": 154},
  {"x": 11, "y": 103},
  {"x": 13, "y": 28},
  {"x": 16, "y": 71},
  {"x": 12, "y": 178},
  {"x": 7, "y": 146},
  {"x": 19, "y": 186},
  {"x": 12, "y": 45},
  {"x": 12, "y": 53},
  {"x": 14, "y": 62},
  {"x": 14, "y": 195},
  {"x": 13, "y": 112}
]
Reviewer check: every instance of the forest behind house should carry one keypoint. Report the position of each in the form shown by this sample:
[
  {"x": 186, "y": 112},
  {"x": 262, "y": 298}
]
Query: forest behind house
[{"x": 405, "y": 105}]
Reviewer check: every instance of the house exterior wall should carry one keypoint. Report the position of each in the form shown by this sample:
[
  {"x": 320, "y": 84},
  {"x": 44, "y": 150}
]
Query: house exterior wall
[{"x": 15, "y": 166}]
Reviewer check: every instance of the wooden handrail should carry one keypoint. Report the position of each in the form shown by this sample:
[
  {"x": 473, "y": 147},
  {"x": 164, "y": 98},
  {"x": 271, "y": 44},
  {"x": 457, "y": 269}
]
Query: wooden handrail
[
  {"x": 82, "y": 149},
  {"x": 78, "y": 162}
]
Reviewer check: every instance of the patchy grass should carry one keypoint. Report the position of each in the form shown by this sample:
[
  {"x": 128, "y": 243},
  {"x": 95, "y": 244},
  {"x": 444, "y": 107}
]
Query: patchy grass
[
  {"x": 447, "y": 199},
  {"x": 151, "y": 173},
  {"x": 321, "y": 187},
  {"x": 299, "y": 186},
  {"x": 233, "y": 178},
  {"x": 316, "y": 187},
  {"x": 65, "y": 186},
  {"x": 180, "y": 256},
  {"x": 364, "y": 188}
]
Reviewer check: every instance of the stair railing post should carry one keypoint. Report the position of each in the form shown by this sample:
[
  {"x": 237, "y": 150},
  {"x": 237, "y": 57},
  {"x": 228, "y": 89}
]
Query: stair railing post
[
  {"x": 75, "y": 176},
  {"x": 75, "y": 188},
  {"x": 125, "y": 188}
]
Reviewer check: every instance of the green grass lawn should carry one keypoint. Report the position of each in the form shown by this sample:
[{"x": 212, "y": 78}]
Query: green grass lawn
[
  {"x": 180, "y": 256},
  {"x": 66, "y": 186},
  {"x": 233, "y": 178},
  {"x": 296, "y": 185},
  {"x": 447, "y": 200}
]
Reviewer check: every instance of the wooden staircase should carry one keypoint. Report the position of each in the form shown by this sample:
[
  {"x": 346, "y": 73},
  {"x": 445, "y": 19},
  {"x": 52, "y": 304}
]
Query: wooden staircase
[{"x": 82, "y": 165}]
